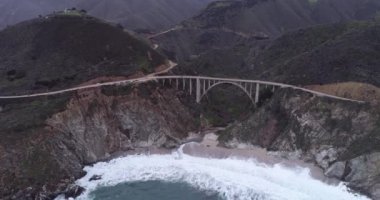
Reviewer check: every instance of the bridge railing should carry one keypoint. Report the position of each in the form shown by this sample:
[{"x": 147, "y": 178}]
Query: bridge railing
[{"x": 183, "y": 77}]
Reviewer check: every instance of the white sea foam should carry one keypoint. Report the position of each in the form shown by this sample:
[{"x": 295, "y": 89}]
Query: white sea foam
[{"x": 232, "y": 178}]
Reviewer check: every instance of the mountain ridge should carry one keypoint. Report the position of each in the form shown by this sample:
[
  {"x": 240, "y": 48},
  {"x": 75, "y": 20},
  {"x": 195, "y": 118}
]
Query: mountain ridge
[{"x": 149, "y": 14}]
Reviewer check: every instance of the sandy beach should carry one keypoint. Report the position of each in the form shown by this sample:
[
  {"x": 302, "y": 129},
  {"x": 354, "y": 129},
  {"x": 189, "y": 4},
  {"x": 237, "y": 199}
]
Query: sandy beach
[{"x": 207, "y": 147}]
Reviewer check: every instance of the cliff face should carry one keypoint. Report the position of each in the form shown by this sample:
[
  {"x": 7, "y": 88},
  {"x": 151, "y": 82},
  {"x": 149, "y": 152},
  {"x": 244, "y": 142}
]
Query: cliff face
[
  {"x": 45, "y": 141},
  {"x": 343, "y": 138},
  {"x": 93, "y": 125}
]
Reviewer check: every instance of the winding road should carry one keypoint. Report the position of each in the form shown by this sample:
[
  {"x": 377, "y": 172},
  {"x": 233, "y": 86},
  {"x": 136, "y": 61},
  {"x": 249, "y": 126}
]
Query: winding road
[{"x": 183, "y": 79}]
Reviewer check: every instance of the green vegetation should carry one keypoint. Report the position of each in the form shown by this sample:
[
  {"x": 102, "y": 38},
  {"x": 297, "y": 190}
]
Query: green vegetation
[
  {"x": 144, "y": 64},
  {"x": 364, "y": 145},
  {"x": 225, "y": 135},
  {"x": 86, "y": 48},
  {"x": 377, "y": 16},
  {"x": 220, "y": 4},
  {"x": 223, "y": 105},
  {"x": 117, "y": 90},
  {"x": 22, "y": 116},
  {"x": 313, "y": 2},
  {"x": 39, "y": 166},
  {"x": 72, "y": 12},
  {"x": 323, "y": 54}
]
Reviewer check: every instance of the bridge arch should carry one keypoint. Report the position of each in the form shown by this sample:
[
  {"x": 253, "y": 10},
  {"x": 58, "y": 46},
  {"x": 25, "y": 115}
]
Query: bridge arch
[{"x": 228, "y": 83}]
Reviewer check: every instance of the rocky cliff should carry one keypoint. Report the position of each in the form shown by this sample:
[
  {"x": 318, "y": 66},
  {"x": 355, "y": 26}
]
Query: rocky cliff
[
  {"x": 322, "y": 55},
  {"x": 45, "y": 141},
  {"x": 343, "y": 138},
  {"x": 93, "y": 125}
]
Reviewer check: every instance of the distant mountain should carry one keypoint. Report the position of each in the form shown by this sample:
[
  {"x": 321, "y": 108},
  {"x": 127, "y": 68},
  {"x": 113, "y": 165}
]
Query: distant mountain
[
  {"x": 274, "y": 17},
  {"x": 323, "y": 55},
  {"x": 12, "y": 12},
  {"x": 244, "y": 39},
  {"x": 226, "y": 37},
  {"x": 134, "y": 14},
  {"x": 144, "y": 14}
]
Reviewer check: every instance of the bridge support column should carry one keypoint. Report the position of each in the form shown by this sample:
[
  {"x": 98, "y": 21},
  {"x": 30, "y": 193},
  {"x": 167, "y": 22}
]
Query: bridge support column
[
  {"x": 191, "y": 86},
  {"x": 198, "y": 91},
  {"x": 250, "y": 90},
  {"x": 257, "y": 93},
  {"x": 204, "y": 86}
]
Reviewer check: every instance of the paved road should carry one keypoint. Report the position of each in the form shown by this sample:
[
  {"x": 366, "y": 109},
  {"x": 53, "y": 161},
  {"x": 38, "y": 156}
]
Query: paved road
[
  {"x": 241, "y": 34},
  {"x": 154, "y": 77}
]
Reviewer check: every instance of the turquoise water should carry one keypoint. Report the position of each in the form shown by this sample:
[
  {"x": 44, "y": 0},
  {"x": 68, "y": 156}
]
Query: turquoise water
[
  {"x": 152, "y": 190},
  {"x": 178, "y": 176}
]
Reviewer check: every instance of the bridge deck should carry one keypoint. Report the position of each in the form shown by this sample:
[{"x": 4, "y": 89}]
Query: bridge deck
[{"x": 156, "y": 78}]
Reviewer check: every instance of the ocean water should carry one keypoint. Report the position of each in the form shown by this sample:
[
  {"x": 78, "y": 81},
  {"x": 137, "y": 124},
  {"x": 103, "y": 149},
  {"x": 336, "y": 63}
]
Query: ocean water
[
  {"x": 152, "y": 190},
  {"x": 180, "y": 176}
]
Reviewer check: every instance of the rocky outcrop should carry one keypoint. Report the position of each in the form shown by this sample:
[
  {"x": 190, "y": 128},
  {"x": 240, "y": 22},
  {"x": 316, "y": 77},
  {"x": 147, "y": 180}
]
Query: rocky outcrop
[
  {"x": 343, "y": 138},
  {"x": 94, "y": 125}
]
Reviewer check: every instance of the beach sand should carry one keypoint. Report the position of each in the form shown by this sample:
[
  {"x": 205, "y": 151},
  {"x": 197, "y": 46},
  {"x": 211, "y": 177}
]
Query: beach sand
[{"x": 207, "y": 147}]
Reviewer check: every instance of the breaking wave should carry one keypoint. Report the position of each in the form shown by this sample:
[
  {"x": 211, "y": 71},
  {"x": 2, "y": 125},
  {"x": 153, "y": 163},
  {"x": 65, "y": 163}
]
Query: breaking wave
[{"x": 232, "y": 178}]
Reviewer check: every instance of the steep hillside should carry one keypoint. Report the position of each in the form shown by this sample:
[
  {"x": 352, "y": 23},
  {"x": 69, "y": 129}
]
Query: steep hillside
[
  {"x": 273, "y": 17},
  {"x": 342, "y": 138},
  {"x": 214, "y": 32},
  {"x": 46, "y": 141},
  {"x": 352, "y": 90},
  {"x": 245, "y": 39},
  {"x": 322, "y": 55},
  {"x": 62, "y": 50},
  {"x": 147, "y": 14}
]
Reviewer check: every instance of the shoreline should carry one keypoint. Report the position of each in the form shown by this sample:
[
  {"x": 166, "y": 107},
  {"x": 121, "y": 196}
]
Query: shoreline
[
  {"x": 207, "y": 147},
  {"x": 255, "y": 163}
]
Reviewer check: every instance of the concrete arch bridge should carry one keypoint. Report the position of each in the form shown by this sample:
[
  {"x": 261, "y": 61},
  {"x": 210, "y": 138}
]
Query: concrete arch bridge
[{"x": 198, "y": 85}]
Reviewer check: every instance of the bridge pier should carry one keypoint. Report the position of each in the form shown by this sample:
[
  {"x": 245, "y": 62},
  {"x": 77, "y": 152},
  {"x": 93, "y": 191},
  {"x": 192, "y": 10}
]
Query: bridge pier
[
  {"x": 204, "y": 87},
  {"x": 257, "y": 93},
  {"x": 246, "y": 85},
  {"x": 191, "y": 87},
  {"x": 198, "y": 91},
  {"x": 250, "y": 90}
]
